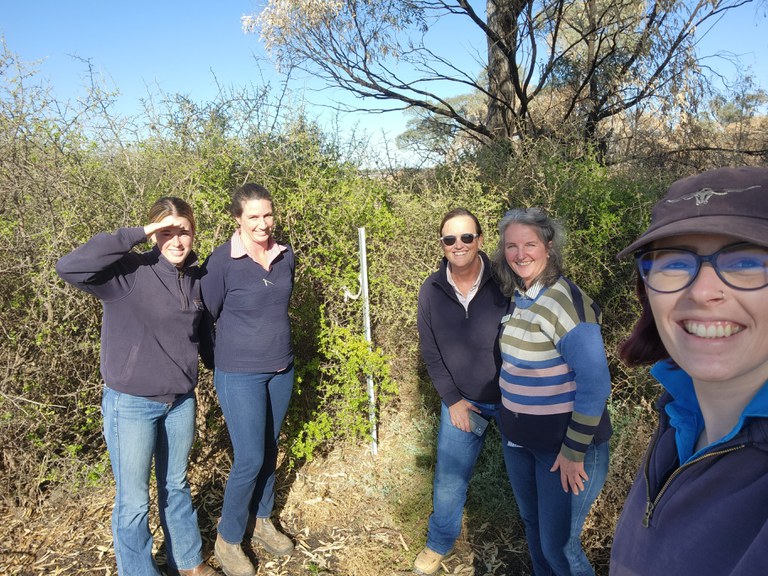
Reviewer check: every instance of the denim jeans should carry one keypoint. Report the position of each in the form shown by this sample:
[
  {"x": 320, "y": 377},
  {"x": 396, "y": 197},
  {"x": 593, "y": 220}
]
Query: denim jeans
[
  {"x": 457, "y": 452},
  {"x": 136, "y": 430},
  {"x": 254, "y": 406},
  {"x": 554, "y": 518}
]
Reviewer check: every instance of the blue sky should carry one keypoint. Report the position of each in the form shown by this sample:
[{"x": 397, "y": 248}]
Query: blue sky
[
  {"x": 178, "y": 46},
  {"x": 139, "y": 46}
]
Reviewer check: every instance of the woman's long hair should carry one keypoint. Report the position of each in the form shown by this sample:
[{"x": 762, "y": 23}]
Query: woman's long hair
[{"x": 644, "y": 345}]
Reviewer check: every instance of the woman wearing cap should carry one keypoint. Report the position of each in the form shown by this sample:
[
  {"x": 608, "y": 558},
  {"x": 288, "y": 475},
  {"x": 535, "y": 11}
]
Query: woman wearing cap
[
  {"x": 699, "y": 504},
  {"x": 554, "y": 385}
]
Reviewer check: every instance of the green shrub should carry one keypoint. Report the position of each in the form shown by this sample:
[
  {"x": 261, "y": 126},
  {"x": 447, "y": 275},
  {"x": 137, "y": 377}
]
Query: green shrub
[
  {"x": 65, "y": 176},
  {"x": 68, "y": 176}
]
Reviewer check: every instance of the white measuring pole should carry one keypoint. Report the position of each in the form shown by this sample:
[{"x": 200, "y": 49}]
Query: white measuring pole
[{"x": 367, "y": 326}]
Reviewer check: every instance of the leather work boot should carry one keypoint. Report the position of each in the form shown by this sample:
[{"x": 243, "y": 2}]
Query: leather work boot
[
  {"x": 232, "y": 559},
  {"x": 428, "y": 562},
  {"x": 201, "y": 570},
  {"x": 274, "y": 542}
]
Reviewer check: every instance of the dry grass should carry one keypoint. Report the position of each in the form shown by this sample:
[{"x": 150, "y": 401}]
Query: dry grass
[{"x": 349, "y": 512}]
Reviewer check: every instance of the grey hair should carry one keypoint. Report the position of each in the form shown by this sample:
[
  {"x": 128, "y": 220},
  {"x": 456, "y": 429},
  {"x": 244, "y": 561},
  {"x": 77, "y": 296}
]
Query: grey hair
[{"x": 549, "y": 231}]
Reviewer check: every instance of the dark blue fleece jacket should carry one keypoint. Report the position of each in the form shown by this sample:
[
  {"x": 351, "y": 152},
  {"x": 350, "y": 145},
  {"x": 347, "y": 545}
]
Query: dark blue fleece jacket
[
  {"x": 249, "y": 306},
  {"x": 152, "y": 313},
  {"x": 460, "y": 348},
  {"x": 707, "y": 515}
]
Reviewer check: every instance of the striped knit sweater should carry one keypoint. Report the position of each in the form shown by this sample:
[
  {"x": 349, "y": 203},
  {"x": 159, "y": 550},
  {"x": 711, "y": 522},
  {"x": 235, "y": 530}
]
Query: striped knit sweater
[{"x": 554, "y": 377}]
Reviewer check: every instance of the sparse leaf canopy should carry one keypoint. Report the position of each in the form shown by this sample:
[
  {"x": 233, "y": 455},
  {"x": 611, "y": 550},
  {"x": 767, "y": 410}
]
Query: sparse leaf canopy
[{"x": 540, "y": 66}]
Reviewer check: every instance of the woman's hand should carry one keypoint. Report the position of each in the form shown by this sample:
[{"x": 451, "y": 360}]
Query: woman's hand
[
  {"x": 169, "y": 221},
  {"x": 572, "y": 474},
  {"x": 459, "y": 414}
]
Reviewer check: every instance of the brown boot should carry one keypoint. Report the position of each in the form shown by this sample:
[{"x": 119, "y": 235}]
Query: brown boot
[
  {"x": 232, "y": 559},
  {"x": 274, "y": 542},
  {"x": 428, "y": 562}
]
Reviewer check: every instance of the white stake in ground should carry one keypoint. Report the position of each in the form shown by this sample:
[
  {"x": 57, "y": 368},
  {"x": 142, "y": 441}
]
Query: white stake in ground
[{"x": 363, "y": 279}]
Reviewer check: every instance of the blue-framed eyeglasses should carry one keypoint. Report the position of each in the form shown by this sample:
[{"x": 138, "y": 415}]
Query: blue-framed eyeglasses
[{"x": 741, "y": 266}]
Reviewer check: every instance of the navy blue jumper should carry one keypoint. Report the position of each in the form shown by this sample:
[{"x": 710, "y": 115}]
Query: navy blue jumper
[
  {"x": 152, "y": 313},
  {"x": 249, "y": 306},
  {"x": 691, "y": 514},
  {"x": 461, "y": 348}
]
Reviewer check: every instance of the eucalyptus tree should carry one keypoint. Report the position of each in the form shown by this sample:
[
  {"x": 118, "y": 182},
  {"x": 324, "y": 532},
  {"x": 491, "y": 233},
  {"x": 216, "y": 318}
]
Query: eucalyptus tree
[{"x": 539, "y": 66}]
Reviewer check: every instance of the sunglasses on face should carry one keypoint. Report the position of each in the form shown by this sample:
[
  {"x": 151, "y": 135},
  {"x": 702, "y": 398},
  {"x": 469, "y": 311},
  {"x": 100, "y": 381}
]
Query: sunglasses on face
[
  {"x": 465, "y": 239},
  {"x": 741, "y": 266}
]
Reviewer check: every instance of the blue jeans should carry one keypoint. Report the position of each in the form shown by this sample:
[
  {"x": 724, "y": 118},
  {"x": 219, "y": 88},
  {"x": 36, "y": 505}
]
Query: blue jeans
[
  {"x": 553, "y": 518},
  {"x": 254, "y": 406},
  {"x": 457, "y": 452},
  {"x": 136, "y": 430}
]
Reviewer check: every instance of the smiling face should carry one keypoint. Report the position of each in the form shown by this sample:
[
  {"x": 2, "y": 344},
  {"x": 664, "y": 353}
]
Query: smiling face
[
  {"x": 256, "y": 221},
  {"x": 175, "y": 243},
  {"x": 525, "y": 252},
  {"x": 461, "y": 256},
  {"x": 714, "y": 332}
]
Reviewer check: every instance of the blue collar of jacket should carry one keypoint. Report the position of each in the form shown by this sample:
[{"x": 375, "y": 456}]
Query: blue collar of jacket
[{"x": 685, "y": 413}]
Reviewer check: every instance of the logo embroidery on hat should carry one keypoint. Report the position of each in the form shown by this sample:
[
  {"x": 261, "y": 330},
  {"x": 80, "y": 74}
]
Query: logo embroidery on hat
[{"x": 702, "y": 196}]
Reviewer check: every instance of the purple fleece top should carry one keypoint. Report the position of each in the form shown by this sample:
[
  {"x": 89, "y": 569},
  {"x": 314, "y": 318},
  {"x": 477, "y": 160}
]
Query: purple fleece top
[
  {"x": 151, "y": 313},
  {"x": 706, "y": 515}
]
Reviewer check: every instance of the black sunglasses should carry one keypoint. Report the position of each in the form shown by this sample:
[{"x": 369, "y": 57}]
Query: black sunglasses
[{"x": 465, "y": 239}]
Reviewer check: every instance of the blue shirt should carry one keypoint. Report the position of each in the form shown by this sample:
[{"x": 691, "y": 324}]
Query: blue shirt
[{"x": 685, "y": 413}]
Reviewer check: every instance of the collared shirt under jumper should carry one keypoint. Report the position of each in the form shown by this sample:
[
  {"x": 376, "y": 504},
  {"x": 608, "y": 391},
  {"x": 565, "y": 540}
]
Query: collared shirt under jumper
[
  {"x": 249, "y": 305},
  {"x": 459, "y": 344},
  {"x": 465, "y": 300},
  {"x": 554, "y": 376}
]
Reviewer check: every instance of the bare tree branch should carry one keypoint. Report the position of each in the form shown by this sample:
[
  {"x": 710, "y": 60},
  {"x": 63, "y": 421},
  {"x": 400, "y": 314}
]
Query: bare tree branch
[{"x": 549, "y": 62}]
